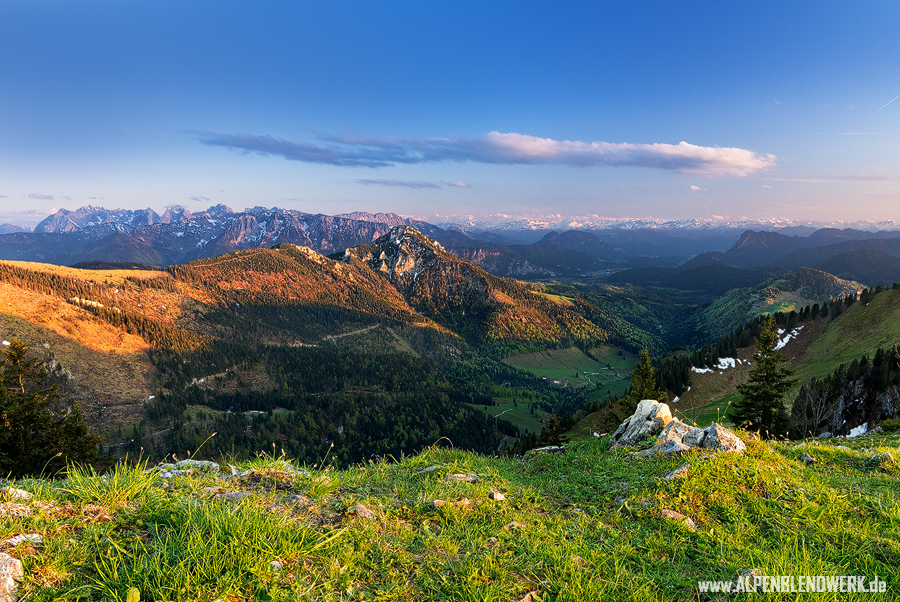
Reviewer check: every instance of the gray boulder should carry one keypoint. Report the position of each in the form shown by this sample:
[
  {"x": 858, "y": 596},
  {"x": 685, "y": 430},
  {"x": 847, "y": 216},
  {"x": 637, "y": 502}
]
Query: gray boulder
[
  {"x": 678, "y": 437},
  {"x": 10, "y": 572},
  {"x": 719, "y": 438},
  {"x": 649, "y": 418}
]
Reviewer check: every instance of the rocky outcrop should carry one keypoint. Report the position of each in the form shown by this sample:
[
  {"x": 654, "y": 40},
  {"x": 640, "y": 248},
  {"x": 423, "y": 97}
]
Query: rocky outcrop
[
  {"x": 648, "y": 419},
  {"x": 10, "y": 573},
  {"x": 652, "y": 417}
]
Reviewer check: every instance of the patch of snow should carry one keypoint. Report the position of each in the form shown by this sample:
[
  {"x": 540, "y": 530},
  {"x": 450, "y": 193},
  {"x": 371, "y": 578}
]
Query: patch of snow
[
  {"x": 676, "y": 400},
  {"x": 151, "y": 397},
  {"x": 726, "y": 363},
  {"x": 862, "y": 429},
  {"x": 702, "y": 370},
  {"x": 6, "y": 343},
  {"x": 689, "y": 389},
  {"x": 784, "y": 341}
]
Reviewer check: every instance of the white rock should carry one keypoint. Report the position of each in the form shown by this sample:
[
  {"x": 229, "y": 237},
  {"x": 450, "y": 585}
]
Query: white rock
[
  {"x": 466, "y": 478},
  {"x": 197, "y": 465},
  {"x": 496, "y": 496},
  {"x": 679, "y": 517},
  {"x": 231, "y": 495},
  {"x": 11, "y": 493},
  {"x": 678, "y": 437},
  {"x": 363, "y": 512},
  {"x": 431, "y": 468},
  {"x": 807, "y": 459},
  {"x": 10, "y": 572},
  {"x": 30, "y": 538},
  {"x": 719, "y": 438},
  {"x": 649, "y": 418}
]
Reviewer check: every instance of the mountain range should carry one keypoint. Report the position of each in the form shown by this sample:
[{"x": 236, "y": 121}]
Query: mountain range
[{"x": 706, "y": 256}]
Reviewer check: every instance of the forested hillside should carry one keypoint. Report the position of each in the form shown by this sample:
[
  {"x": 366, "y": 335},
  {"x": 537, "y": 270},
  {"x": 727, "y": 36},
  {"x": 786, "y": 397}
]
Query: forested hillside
[{"x": 381, "y": 349}]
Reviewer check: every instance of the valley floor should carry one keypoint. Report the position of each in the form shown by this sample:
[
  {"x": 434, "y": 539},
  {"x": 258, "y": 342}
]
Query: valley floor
[{"x": 588, "y": 524}]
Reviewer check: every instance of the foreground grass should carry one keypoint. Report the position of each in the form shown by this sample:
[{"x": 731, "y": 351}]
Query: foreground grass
[{"x": 585, "y": 525}]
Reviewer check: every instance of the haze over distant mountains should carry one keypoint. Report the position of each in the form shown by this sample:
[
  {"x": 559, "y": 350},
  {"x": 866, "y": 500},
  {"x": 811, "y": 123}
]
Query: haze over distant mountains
[{"x": 690, "y": 254}]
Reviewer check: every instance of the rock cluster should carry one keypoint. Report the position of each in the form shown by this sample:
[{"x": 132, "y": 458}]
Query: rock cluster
[{"x": 674, "y": 436}]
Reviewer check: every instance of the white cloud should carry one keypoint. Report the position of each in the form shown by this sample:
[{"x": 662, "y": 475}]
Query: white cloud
[
  {"x": 503, "y": 149},
  {"x": 41, "y": 197},
  {"x": 456, "y": 184},
  {"x": 402, "y": 183},
  {"x": 697, "y": 189}
]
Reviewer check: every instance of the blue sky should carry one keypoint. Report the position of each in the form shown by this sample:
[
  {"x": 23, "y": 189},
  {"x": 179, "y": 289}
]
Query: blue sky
[{"x": 619, "y": 109}]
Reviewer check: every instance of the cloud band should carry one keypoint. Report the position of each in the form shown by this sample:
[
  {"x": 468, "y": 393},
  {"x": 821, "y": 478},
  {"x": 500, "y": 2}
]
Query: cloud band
[{"x": 502, "y": 149}]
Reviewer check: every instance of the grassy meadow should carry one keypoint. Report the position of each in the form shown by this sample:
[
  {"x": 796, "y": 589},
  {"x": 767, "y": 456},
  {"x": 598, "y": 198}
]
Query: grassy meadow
[
  {"x": 572, "y": 367},
  {"x": 585, "y": 525}
]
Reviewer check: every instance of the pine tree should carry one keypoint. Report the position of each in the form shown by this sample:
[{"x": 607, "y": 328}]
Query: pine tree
[
  {"x": 39, "y": 430},
  {"x": 551, "y": 434},
  {"x": 643, "y": 382},
  {"x": 761, "y": 407}
]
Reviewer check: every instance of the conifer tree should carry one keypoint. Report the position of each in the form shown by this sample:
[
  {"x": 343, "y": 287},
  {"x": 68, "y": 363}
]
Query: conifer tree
[
  {"x": 761, "y": 406},
  {"x": 643, "y": 382},
  {"x": 551, "y": 434},
  {"x": 38, "y": 429}
]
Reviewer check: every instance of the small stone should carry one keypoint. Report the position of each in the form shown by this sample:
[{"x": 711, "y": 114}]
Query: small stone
[
  {"x": 491, "y": 542},
  {"x": 549, "y": 449},
  {"x": 534, "y": 596},
  {"x": 513, "y": 525},
  {"x": 579, "y": 561},
  {"x": 678, "y": 516},
  {"x": 496, "y": 496},
  {"x": 825, "y": 435},
  {"x": 431, "y": 468},
  {"x": 197, "y": 465},
  {"x": 679, "y": 473},
  {"x": 276, "y": 565},
  {"x": 30, "y": 538},
  {"x": 438, "y": 503},
  {"x": 748, "y": 573},
  {"x": 463, "y": 503},
  {"x": 842, "y": 448},
  {"x": 300, "y": 500},
  {"x": 363, "y": 512},
  {"x": 883, "y": 458},
  {"x": 11, "y": 493},
  {"x": 231, "y": 495},
  {"x": 238, "y": 473},
  {"x": 807, "y": 459},
  {"x": 465, "y": 478}
]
